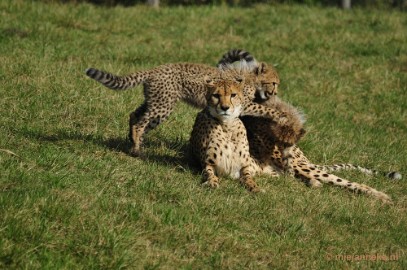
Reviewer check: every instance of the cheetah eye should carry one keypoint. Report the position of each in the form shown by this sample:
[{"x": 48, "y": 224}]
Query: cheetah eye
[
  {"x": 216, "y": 96},
  {"x": 233, "y": 95}
]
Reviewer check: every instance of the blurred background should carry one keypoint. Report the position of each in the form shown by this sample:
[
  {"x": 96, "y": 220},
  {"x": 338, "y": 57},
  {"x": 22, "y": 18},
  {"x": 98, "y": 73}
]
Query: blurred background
[{"x": 399, "y": 4}]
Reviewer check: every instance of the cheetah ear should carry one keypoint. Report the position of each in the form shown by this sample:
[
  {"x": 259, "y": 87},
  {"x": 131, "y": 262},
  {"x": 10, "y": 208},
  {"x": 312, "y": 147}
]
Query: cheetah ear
[
  {"x": 262, "y": 68},
  {"x": 240, "y": 79},
  {"x": 208, "y": 81}
]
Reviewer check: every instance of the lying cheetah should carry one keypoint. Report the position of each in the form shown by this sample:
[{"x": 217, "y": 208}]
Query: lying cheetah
[
  {"x": 269, "y": 151},
  {"x": 219, "y": 139},
  {"x": 238, "y": 58},
  {"x": 165, "y": 85}
]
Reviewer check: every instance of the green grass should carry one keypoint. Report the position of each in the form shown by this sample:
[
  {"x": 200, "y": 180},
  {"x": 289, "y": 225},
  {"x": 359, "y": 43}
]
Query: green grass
[{"x": 71, "y": 198}]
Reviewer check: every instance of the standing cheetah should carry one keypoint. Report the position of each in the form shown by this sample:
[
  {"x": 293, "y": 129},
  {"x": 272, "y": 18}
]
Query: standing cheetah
[
  {"x": 165, "y": 85},
  {"x": 219, "y": 138},
  {"x": 266, "y": 148}
]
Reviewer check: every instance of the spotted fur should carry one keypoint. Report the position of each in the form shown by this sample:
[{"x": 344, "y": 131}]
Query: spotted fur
[
  {"x": 267, "y": 150},
  {"x": 241, "y": 60},
  {"x": 165, "y": 85},
  {"x": 393, "y": 175},
  {"x": 219, "y": 140}
]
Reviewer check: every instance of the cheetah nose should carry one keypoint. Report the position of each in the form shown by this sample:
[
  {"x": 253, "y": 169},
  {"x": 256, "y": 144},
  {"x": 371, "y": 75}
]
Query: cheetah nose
[{"x": 224, "y": 108}]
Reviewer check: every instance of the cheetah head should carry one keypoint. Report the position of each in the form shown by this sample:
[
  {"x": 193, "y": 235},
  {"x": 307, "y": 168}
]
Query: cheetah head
[
  {"x": 267, "y": 81},
  {"x": 224, "y": 98}
]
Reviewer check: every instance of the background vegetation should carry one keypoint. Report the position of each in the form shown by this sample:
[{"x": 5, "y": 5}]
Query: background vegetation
[
  {"x": 71, "y": 197},
  {"x": 402, "y": 4}
]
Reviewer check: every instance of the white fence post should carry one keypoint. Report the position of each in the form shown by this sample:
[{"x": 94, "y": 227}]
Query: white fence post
[
  {"x": 153, "y": 3},
  {"x": 346, "y": 4}
]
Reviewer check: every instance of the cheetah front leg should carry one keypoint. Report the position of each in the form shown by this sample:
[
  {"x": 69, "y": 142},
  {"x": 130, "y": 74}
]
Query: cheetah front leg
[
  {"x": 258, "y": 110},
  {"x": 247, "y": 180},
  {"x": 209, "y": 177}
]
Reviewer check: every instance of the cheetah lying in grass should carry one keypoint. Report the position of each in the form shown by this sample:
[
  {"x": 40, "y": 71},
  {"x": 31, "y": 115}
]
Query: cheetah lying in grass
[
  {"x": 220, "y": 142},
  {"x": 267, "y": 150},
  {"x": 219, "y": 139},
  {"x": 275, "y": 144}
]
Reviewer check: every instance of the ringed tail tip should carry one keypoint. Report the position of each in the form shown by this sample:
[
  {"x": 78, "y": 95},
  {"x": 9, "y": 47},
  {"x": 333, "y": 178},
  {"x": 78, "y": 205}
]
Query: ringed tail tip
[
  {"x": 90, "y": 71},
  {"x": 395, "y": 175}
]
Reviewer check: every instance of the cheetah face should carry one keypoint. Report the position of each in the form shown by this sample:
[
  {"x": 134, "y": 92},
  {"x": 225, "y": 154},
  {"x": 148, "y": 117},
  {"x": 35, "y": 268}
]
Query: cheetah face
[
  {"x": 225, "y": 98},
  {"x": 267, "y": 81}
]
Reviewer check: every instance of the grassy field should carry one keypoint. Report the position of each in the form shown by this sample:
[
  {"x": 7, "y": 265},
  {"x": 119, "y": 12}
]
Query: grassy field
[{"x": 71, "y": 197}]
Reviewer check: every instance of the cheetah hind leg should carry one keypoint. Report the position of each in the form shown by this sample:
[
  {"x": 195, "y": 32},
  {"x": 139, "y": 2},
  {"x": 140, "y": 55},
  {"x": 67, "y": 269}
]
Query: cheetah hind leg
[
  {"x": 142, "y": 121},
  {"x": 288, "y": 166},
  {"x": 137, "y": 127}
]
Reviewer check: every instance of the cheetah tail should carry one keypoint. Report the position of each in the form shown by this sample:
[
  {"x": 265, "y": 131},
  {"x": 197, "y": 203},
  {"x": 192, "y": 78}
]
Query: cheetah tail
[
  {"x": 245, "y": 59},
  {"x": 394, "y": 175},
  {"x": 313, "y": 172},
  {"x": 116, "y": 82}
]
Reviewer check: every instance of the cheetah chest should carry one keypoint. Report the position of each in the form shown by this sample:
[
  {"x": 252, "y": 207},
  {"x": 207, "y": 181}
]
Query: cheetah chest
[{"x": 230, "y": 149}]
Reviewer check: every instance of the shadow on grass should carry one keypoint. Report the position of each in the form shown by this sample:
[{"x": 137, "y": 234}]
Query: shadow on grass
[
  {"x": 183, "y": 159},
  {"x": 116, "y": 144}
]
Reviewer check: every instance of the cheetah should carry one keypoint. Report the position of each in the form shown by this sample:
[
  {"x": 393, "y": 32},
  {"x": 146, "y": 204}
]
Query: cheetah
[
  {"x": 267, "y": 149},
  {"x": 219, "y": 140},
  {"x": 167, "y": 84},
  {"x": 238, "y": 59}
]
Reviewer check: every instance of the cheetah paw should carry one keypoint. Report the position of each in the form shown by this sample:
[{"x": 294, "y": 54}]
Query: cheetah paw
[
  {"x": 211, "y": 184},
  {"x": 315, "y": 183},
  {"x": 135, "y": 152}
]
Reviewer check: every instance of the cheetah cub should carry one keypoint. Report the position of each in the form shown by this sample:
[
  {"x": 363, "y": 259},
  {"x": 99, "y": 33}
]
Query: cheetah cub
[
  {"x": 266, "y": 148},
  {"x": 167, "y": 84},
  {"x": 219, "y": 140}
]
